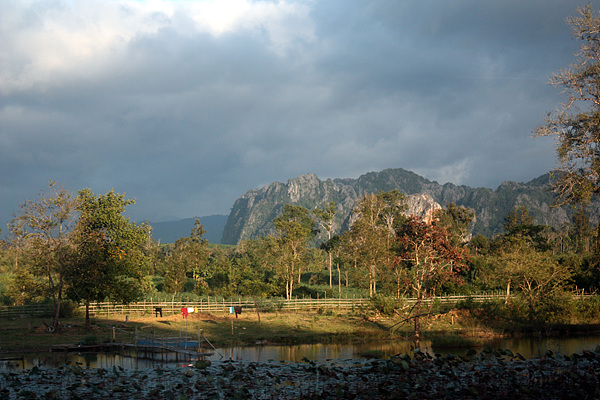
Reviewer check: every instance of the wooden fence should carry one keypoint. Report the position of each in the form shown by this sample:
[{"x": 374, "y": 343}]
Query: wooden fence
[
  {"x": 224, "y": 306},
  {"x": 32, "y": 310}
]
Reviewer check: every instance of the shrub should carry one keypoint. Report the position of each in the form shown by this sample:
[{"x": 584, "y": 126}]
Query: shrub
[
  {"x": 69, "y": 309},
  {"x": 587, "y": 308},
  {"x": 554, "y": 308},
  {"x": 385, "y": 305},
  {"x": 90, "y": 340}
]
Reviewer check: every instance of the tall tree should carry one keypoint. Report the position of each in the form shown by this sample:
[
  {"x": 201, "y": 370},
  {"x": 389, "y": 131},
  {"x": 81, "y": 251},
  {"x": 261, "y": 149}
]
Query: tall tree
[
  {"x": 176, "y": 267},
  {"x": 456, "y": 220},
  {"x": 325, "y": 217},
  {"x": 582, "y": 229},
  {"x": 43, "y": 229},
  {"x": 296, "y": 228},
  {"x": 519, "y": 225},
  {"x": 518, "y": 222},
  {"x": 188, "y": 255},
  {"x": 198, "y": 254},
  {"x": 372, "y": 235},
  {"x": 110, "y": 260},
  {"x": 576, "y": 125},
  {"x": 252, "y": 268}
]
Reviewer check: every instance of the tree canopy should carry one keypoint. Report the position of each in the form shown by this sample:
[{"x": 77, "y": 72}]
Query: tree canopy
[
  {"x": 576, "y": 125},
  {"x": 109, "y": 261}
]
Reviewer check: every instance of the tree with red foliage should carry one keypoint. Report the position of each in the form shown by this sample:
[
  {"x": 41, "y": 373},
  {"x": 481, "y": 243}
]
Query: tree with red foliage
[{"x": 429, "y": 259}]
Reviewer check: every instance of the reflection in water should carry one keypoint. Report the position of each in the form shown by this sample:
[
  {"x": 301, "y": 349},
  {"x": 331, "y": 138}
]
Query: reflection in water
[{"x": 528, "y": 347}]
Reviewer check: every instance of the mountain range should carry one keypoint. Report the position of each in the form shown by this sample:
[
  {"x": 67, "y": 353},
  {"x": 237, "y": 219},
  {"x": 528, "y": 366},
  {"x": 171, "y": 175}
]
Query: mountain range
[{"x": 252, "y": 214}]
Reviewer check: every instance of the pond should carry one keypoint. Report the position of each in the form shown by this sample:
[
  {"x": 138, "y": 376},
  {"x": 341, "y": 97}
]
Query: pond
[{"x": 528, "y": 347}]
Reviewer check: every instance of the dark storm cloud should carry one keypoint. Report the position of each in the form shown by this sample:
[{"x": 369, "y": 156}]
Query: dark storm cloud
[{"x": 185, "y": 108}]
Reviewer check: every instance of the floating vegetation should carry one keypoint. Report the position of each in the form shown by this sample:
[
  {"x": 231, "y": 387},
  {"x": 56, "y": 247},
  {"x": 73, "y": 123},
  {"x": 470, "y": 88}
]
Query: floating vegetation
[
  {"x": 453, "y": 341},
  {"x": 490, "y": 374}
]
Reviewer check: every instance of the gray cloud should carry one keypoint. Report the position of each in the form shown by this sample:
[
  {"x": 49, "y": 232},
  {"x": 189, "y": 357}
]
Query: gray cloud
[{"x": 185, "y": 107}]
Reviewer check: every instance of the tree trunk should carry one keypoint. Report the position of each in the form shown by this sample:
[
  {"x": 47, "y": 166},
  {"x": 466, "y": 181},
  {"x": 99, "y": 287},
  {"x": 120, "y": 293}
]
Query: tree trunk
[
  {"x": 88, "y": 325},
  {"x": 257, "y": 310},
  {"x": 417, "y": 320},
  {"x": 339, "y": 278},
  {"x": 330, "y": 272},
  {"x": 56, "y": 314}
]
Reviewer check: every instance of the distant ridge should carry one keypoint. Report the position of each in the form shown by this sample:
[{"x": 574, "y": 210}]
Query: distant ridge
[
  {"x": 170, "y": 231},
  {"x": 253, "y": 213}
]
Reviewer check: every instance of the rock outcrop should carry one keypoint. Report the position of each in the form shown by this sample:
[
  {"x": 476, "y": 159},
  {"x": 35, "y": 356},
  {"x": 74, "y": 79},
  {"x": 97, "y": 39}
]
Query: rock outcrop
[{"x": 253, "y": 213}]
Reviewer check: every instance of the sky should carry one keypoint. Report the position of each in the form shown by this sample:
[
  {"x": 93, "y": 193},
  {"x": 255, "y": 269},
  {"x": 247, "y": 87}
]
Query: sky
[{"x": 186, "y": 105}]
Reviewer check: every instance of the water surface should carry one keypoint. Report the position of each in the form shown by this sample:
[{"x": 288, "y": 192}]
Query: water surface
[{"x": 528, "y": 347}]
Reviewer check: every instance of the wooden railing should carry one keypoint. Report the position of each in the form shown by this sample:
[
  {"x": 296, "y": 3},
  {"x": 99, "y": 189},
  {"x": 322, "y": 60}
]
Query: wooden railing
[
  {"x": 224, "y": 306},
  {"x": 31, "y": 310}
]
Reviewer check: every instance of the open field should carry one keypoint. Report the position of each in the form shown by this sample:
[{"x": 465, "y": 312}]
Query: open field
[
  {"x": 223, "y": 330},
  {"x": 274, "y": 328}
]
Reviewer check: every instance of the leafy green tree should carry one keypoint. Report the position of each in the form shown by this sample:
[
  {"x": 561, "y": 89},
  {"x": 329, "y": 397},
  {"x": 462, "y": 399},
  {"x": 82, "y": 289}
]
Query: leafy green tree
[
  {"x": 296, "y": 228},
  {"x": 371, "y": 238},
  {"x": 43, "y": 230},
  {"x": 519, "y": 226},
  {"x": 110, "y": 261},
  {"x": 325, "y": 217},
  {"x": 197, "y": 253},
  {"x": 582, "y": 229},
  {"x": 537, "y": 274},
  {"x": 220, "y": 265},
  {"x": 576, "y": 125},
  {"x": 518, "y": 222},
  {"x": 479, "y": 245},
  {"x": 189, "y": 255},
  {"x": 26, "y": 288},
  {"x": 176, "y": 267},
  {"x": 252, "y": 273},
  {"x": 333, "y": 249},
  {"x": 456, "y": 220}
]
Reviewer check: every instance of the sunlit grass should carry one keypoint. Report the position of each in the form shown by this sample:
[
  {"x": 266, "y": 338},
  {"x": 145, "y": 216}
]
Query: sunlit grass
[{"x": 221, "y": 329}]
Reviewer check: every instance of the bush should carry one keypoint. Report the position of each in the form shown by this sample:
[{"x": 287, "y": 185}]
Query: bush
[
  {"x": 554, "y": 308},
  {"x": 90, "y": 340},
  {"x": 314, "y": 291},
  {"x": 515, "y": 311},
  {"x": 69, "y": 309},
  {"x": 468, "y": 304},
  {"x": 386, "y": 305},
  {"x": 587, "y": 309}
]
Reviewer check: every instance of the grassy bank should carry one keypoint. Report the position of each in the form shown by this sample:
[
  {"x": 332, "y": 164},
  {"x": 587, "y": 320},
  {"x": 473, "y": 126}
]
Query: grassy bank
[
  {"x": 274, "y": 328},
  {"x": 221, "y": 329}
]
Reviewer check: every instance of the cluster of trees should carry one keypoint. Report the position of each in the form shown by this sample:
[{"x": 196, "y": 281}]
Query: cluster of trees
[
  {"x": 77, "y": 247},
  {"x": 82, "y": 248}
]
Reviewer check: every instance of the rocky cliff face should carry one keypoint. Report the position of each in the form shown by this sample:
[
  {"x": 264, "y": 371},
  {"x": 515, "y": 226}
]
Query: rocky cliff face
[{"x": 252, "y": 214}]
